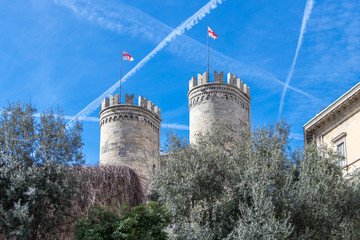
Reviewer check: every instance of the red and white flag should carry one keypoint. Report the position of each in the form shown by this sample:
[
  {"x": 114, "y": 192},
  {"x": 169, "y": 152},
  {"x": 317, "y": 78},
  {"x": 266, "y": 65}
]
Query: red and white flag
[
  {"x": 212, "y": 34},
  {"x": 126, "y": 56}
]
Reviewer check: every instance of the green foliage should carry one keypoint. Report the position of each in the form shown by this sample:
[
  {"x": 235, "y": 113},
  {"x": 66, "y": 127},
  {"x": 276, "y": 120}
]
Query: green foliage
[
  {"x": 36, "y": 181},
  {"x": 321, "y": 198},
  {"x": 254, "y": 187},
  {"x": 140, "y": 222},
  {"x": 100, "y": 225},
  {"x": 143, "y": 222}
]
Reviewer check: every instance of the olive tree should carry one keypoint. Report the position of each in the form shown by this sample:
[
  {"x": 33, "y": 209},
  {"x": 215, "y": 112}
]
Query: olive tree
[
  {"x": 255, "y": 187},
  {"x": 36, "y": 163}
]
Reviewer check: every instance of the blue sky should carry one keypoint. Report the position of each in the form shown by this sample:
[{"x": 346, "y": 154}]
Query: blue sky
[{"x": 66, "y": 53}]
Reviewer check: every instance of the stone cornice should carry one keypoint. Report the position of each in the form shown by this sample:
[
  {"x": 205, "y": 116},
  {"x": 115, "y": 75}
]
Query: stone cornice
[
  {"x": 224, "y": 85},
  {"x": 337, "y": 112},
  {"x": 210, "y": 91},
  {"x": 129, "y": 108},
  {"x": 340, "y": 136},
  {"x": 123, "y": 112}
]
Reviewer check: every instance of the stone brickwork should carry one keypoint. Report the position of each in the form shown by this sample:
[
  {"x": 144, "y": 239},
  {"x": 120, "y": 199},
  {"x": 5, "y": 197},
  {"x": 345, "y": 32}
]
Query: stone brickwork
[
  {"x": 130, "y": 134},
  {"x": 214, "y": 103}
]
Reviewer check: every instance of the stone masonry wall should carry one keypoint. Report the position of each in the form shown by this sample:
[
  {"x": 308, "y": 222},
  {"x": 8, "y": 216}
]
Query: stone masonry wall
[
  {"x": 130, "y": 134},
  {"x": 218, "y": 103}
]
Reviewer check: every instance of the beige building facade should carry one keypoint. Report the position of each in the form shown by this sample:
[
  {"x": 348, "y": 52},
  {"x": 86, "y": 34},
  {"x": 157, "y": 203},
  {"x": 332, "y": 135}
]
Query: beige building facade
[{"x": 338, "y": 127}]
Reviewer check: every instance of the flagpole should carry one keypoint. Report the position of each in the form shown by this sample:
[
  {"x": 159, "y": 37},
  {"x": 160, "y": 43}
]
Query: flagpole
[
  {"x": 120, "y": 74},
  {"x": 207, "y": 32}
]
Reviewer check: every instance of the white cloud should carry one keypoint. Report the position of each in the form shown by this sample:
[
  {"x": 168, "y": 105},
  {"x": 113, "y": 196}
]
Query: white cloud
[
  {"x": 86, "y": 119},
  {"x": 119, "y": 17},
  {"x": 186, "y": 25},
  {"x": 175, "y": 126},
  {"x": 111, "y": 15},
  {"x": 114, "y": 16},
  {"x": 335, "y": 34},
  {"x": 297, "y": 136},
  {"x": 67, "y": 117},
  {"x": 330, "y": 59},
  {"x": 97, "y": 120},
  {"x": 307, "y": 13}
]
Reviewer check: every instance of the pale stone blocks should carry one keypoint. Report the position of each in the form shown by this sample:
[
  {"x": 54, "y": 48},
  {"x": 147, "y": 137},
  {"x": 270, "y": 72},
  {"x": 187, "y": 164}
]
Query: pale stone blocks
[
  {"x": 218, "y": 103},
  {"x": 130, "y": 134},
  {"x": 219, "y": 77},
  {"x": 202, "y": 79},
  {"x": 129, "y": 99},
  {"x": 231, "y": 79},
  {"x": 104, "y": 103},
  {"x": 192, "y": 82}
]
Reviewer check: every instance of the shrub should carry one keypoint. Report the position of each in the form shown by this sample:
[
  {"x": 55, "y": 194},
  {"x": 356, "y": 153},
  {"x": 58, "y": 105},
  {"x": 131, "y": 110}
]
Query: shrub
[
  {"x": 143, "y": 223},
  {"x": 139, "y": 222},
  {"x": 99, "y": 225}
]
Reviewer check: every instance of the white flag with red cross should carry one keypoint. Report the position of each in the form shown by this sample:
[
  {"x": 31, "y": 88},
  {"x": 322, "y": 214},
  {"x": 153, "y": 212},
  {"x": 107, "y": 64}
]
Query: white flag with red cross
[
  {"x": 212, "y": 34},
  {"x": 126, "y": 56}
]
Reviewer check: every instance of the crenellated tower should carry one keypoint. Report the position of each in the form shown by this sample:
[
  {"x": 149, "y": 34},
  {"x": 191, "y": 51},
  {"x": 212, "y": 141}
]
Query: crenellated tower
[
  {"x": 130, "y": 134},
  {"x": 218, "y": 102}
]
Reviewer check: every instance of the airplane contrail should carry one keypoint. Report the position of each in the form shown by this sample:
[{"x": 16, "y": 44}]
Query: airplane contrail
[
  {"x": 122, "y": 20},
  {"x": 186, "y": 25},
  {"x": 307, "y": 12},
  {"x": 175, "y": 126}
]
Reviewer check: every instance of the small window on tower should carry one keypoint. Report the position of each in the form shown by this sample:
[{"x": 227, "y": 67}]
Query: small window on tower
[{"x": 341, "y": 152}]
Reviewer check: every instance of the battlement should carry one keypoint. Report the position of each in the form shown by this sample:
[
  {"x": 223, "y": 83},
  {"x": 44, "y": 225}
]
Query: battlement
[
  {"x": 219, "y": 78},
  {"x": 129, "y": 100}
]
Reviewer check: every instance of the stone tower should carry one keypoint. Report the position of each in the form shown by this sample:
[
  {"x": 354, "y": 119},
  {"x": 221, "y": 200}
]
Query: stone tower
[
  {"x": 130, "y": 134},
  {"x": 218, "y": 102}
]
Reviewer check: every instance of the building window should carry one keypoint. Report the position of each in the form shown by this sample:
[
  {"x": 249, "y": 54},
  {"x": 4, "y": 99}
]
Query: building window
[
  {"x": 339, "y": 142},
  {"x": 341, "y": 152}
]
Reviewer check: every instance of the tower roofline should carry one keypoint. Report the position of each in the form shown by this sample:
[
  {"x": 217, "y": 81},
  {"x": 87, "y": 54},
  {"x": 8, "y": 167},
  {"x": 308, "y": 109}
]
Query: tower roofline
[
  {"x": 143, "y": 103},
  {"x": 232, "y": 80}
]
